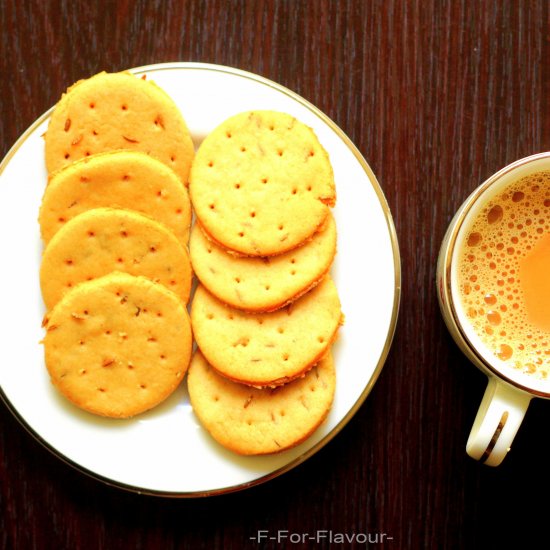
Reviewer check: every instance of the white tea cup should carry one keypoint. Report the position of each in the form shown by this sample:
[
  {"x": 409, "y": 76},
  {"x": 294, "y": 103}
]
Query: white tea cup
[{"x": 476, "y": 305}]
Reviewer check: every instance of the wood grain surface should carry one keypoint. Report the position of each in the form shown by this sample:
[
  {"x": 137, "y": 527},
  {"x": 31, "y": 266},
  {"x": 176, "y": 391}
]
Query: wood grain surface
[{"x": 437, "y": 95}]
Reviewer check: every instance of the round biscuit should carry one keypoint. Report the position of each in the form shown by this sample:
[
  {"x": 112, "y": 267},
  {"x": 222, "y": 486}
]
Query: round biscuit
[
  {"x": 252, "y": 421},
  {"x": 122, "y": 179},
  {"x": 103, "y": 240},
  {"x": 119, "y": 345},
  {"x": 261, "y": 183},
  {"x": 266, "y": 349},
  {"x": 241, "y": 281},
  {"x": 110, "y": 111}
]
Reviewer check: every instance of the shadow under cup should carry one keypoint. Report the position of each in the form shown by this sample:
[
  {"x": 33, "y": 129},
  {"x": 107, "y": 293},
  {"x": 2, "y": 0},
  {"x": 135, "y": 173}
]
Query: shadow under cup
[{"x": 497, "y": 237}]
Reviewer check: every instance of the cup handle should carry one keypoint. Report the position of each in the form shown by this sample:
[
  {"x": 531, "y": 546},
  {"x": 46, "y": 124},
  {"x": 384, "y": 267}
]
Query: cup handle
[{"x": 497, "y": 421}]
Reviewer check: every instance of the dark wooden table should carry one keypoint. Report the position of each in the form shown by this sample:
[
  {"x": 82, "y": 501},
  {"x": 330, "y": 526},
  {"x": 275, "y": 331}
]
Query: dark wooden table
[{"x": 437, "y": 95}]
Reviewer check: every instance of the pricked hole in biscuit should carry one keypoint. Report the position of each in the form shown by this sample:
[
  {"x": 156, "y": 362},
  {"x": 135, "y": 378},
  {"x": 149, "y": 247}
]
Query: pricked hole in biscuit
[
  {"x": 179, "y": 210},
  {"x": 237, "y": 280},
  {"x": 249, "y": 422},
  {"x": 124, "y": 107},
  {"x": 82, "y": 371},
  {"x": 130, "y": 366},
  {"x": 209, "y": 250},
  {"x": 237, "y": 186},
  {"x": 124, "y": 233},
  {"x": 152, "y": 249},
  {"x": 210, "y": 316},
  {"x": 85, "y": 312},
  {"x": 125, "y": 177},
  {"x": 285, "y": 357},
  {"x": 67, "y": 156},
  {"x": 172, "y": 282},
  {"x": 143, "y": 386},
  {"x": 120, "y": 260},
  {"x": 281, "y": 227},
  {"x": 91, "y": 234},
  {"x": 69, "y": 262},
  {"x": 252, "y": 214},
  {"x": 92, "y": 105},
  {"x": 294, "y": 191},
  {"x": 162, "y": 357},
  {"x": 282, "y": 412},
  {"x": 230, "y": 316},
  {"x": 260, "y": 321},
  {"x": 243, "y": 149},
  {"x": 102, "y": 390},
  {"x": 309, "y": 188},
  {"x": 271, "y": 127},
  {"x": 312, "y": 388},
  {"x": 212, "y": 206},
  {"x": 293, "y": 272},
  {"x": 151, "y": 339},
  {"x": 87, "y": 153},
  {"x": 216, "y": 398},
  {"x": 228, "y": 135},
  {"x": 159, "y": 313},
  {"x": 94, "y": 132},
  {"x": 173, "y": 158},
  {"x": 107, "y": 332},
  {"x": 81, "y": 342},
  {"x": 267, "y": 287},
  {"x": 280, "y": 330},
  {"x": 210, "y": 163},
  {"x": 241, "y": 234},
  {"x": 69, "y": 284},
  {"x": 321, "y": 340},
  {"x": 241, "y": 342},
  {"x": 61, "y": 219},
  {"x": 264, "y": 180},
  {"x": 89, "y": 278},
  {"x": 280, "y": 152},
  {"x": 84, "y": 179}
]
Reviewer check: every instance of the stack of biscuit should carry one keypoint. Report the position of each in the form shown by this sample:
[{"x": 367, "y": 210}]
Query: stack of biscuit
[
  {"x": 266, "y": 311},
  {"x": 115, "y": 217},
  {"x": 117, "y": 269}
]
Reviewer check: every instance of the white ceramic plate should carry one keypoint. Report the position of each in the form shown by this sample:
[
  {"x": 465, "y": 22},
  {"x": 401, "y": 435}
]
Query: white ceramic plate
[{"x": 166, "y": 451}]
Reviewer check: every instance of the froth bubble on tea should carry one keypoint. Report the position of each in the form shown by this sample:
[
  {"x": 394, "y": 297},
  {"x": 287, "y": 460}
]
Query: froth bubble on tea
[{"x": 504, "y": 274}]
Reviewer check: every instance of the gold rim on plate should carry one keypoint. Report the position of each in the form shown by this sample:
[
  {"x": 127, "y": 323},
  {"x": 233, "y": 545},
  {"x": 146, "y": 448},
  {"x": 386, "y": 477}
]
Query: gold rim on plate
[{"x": 395, "y": 307}]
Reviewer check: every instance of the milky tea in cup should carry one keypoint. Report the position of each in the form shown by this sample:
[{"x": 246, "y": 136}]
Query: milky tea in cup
[
  {"x": 503, "y": 274},
  {"x": 493, "y": 281}
]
